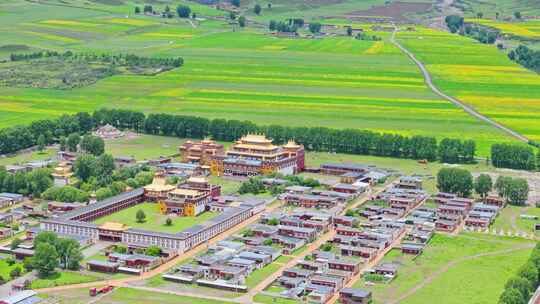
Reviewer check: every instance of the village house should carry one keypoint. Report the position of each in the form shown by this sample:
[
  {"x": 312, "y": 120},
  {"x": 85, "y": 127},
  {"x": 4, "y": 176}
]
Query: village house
[
  {"x": 354, "y": 296},
  {"x": 108, "y": 132},
  {"x": 409, "y": 182},
  {"x": 340, "y": 169},
  {"x": 308, "y": 234}
]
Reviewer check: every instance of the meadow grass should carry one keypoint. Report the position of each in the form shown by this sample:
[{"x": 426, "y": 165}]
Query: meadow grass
[
  {"x": 528, "y": 29},
  {"x": 155, "y": 221},
  {"x": 468, "y": 277},
  {"x": 143, "y": 147},
  {"x": 135, "y": 296},
  {"x": 61, "y": 278}
]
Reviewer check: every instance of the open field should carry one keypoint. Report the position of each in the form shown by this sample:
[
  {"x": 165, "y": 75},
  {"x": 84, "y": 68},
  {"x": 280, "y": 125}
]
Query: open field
[
  {"x": 469, "y": 268},
  {"x": 154, "y": 220},
  {"x": 143, "y": 147},
  {"x": 64, "y": 278},
  {"x": 126, "y": 296},
  {"x": 481, "y": 76},
  {"x": 243, "y": 75}
]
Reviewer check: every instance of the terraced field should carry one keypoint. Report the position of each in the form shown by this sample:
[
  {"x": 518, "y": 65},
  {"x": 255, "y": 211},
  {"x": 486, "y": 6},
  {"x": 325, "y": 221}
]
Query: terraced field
[
  {"x": 335, "y": 82},
  {"x": 480, "y": 76}
]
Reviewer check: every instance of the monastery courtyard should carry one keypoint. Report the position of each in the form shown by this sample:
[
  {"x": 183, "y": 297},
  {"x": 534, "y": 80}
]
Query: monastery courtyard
[{"x": 155, "y": 221}]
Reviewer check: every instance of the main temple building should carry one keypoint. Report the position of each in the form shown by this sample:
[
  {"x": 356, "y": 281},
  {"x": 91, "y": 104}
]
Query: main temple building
[{"x": 255, "y": 155}]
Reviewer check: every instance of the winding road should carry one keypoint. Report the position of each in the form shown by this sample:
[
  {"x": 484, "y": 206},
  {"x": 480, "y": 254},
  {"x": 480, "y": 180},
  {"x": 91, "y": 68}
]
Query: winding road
[{"x": 429, "y": 82}]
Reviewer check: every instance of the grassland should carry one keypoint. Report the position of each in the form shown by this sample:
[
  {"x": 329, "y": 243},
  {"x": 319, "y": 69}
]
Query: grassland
[
  {"x": 5, "y": 269},
  {"x": 481, "y": 76},
  {"x": 154, "y": 220},
  {"x": 469, "y": 268},
  {"x": 337, "y": 82},
  {"x": 126, "y": 296},
  {"x": 509, "y": 219},
  {"x": 63, "y": 278},
  {"x": 143, "y": 147}
]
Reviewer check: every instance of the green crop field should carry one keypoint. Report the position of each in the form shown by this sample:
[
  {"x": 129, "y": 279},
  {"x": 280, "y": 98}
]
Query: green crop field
[
  {"x": 337, "y": 82},
  {"x": 154, "y": 220},
  {"x": 527, "y": 29},
  {"x": 481, "y": 76},
  {"x": 475, "y": 265}
]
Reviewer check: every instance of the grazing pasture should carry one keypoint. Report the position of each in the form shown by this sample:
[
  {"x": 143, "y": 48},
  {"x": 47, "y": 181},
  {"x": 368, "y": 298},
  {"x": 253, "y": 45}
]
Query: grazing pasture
[
  {"x": 475, "y": 265},
  {"x": 480, "y": 76}
]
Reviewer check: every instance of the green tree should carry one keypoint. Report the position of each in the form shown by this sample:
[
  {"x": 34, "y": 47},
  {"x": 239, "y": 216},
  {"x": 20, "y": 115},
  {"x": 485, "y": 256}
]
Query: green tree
[
  {"x": 41, "y": 142},
  {"x": 93, "y": 145},
  {"x": 235, "y": 3},
  {"x": 257, "y": 9},
  {"x": 153, "y": 251},
  {"x": 103, "y": 193},
  {"x": 104, "y": 168},
  {"x": 272, "y": 25},
  {"x": 315, "y": 27},
  {"x": 15, "y": 243},
  {"x": 455, "y": 180},
  {"x": 63, "y": 143},
  {"x": 454, "y": 22},
  {"x": 39, "y": 180},
  {"x": 137, "y": 10},
  {"x": 517, "y": 15},
  {"x": 479, "y": 15},
  {"x": 183, "y": 11},
  {"x": 28, "y": 263},
  {"x": 69, "y": 253},
  {"x": 48, "y": 237},
  {"x": 45, "y": 259},
  {"x": 140, "y": 216},
  {"x": 522, "y": 285},
  {"x": 168, "y": 222},
  {"x": 518, "y": 192},
  {"x": 268, "y": 242},
  {"x": 529, "y": 272},
  {"x": 242, "y": 21},
  {"x": 511, "y": 296},
  {"x": 72, "y": 141},
  {"x": 85, "y": 167},
  {"x": 483, "y": 184},
  {"x": 273, "y": 222},
  {"x": 349, "y": 31},
  {"x": 15, "y": 272}
]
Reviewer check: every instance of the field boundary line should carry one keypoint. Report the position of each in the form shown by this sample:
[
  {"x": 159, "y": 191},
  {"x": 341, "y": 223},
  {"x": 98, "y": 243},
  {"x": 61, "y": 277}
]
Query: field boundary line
[{"x": 429, "y": 82}]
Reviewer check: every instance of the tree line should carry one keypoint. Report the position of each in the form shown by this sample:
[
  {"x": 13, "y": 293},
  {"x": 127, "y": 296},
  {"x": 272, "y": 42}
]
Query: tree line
[
  {"x": 130, "y": 60},
  {"x": 351, "y": 141},
  {"x": 481, "y": 33},
  {"x": 526, "y": 57},
  {"x": 461, "y": 182},
  {"x": 521, "y": 287},
  {"x": 514, "y": 157}
]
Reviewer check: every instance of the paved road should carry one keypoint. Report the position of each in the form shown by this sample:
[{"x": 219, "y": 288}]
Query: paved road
[{"x": 466, "y": 108}]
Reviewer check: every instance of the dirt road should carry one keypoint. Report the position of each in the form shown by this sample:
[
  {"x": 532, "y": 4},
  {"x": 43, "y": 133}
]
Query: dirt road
[{"x": 466, "y": 108}]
